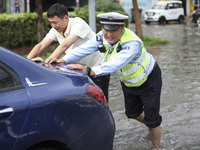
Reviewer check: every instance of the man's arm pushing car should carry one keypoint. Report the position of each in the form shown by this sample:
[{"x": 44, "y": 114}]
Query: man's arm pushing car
[
  {"x": 57, "y": 52},
  {"x": 39, "y": 48},
  {"x": 62, "y": 47}
]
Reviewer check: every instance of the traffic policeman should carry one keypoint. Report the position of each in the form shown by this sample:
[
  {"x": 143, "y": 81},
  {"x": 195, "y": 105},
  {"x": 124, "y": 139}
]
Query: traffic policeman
[{"x": 140, "y": 75}]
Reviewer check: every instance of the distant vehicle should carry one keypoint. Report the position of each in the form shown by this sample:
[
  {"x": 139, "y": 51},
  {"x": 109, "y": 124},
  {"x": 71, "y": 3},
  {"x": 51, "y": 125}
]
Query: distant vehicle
[
  {"x": 51, "y": 107},
  {"x": 164, "y": 11},
  {"x": 196, "y": 17}
]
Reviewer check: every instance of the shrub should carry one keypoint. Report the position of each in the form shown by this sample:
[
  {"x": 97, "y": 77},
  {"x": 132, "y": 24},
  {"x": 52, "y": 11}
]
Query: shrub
[
  {"x": 21, "y": 29},
  {"x": 101, "y": 6}
]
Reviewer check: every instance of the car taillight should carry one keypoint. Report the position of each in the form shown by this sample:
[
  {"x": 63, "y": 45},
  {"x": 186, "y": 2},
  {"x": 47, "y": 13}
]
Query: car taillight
[{"x": 96, "y": 93}]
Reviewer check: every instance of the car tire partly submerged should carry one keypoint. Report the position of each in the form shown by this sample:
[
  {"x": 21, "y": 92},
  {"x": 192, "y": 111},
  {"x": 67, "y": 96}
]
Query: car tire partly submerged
[
  {"x": 198, "y": 21},
  {"x": 161, "y": 20},
  {"x": 48, "y": 148},
  {"x": 147, "y": 22},
  {"x": 181, "y": 19}
]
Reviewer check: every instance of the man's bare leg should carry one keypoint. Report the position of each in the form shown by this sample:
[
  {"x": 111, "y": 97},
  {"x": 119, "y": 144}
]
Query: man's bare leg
[
  {"x": 155, "y": 134},
  {"x": 140, "y": 118}
]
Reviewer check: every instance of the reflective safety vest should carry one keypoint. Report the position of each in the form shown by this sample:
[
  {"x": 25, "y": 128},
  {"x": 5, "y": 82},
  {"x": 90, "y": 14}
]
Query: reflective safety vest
[{"x": 133, "y": 74}]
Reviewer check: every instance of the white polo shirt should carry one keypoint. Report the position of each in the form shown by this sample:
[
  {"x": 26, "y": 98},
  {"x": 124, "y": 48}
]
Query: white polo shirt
[{"x": 80, "y": 28}]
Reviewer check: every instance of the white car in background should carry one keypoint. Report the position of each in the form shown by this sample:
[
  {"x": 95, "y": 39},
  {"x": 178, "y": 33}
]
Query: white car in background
[{"x": 164, "y": 11}]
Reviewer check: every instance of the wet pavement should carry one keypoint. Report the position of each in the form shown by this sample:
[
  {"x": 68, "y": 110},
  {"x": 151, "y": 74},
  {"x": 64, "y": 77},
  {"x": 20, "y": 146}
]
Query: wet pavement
[{"x": 180, "y": 100}]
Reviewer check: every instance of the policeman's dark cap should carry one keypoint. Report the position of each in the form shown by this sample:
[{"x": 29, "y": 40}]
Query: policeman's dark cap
[{"x": 112, "y": 20}]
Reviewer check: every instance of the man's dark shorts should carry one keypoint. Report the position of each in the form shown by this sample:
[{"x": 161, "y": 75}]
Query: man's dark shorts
[
  {"x": 103, "y": 83},
  {"x": 145, "y": 98}
]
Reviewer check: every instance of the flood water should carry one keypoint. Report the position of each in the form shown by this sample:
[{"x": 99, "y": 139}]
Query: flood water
[{"x": 180, "y": 99}]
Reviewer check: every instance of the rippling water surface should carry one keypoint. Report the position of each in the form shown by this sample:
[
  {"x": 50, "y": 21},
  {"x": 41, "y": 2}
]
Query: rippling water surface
[{"x": 180, "y": 100}]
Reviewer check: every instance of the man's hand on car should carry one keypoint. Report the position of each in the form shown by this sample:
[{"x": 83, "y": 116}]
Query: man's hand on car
[{"x": 37, "y": 59}]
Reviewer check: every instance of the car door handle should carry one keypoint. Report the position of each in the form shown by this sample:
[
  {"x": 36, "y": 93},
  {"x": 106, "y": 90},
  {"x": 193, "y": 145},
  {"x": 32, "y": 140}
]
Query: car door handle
[{"x": 6, "y": 112}]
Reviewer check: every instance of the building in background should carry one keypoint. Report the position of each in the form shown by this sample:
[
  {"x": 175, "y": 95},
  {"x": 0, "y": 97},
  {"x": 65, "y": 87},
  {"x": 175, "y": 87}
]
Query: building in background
[
  {"x": 128, "y": 7},
  {"x": 2, "y": 6},
  {"x": 195, "y": 4},
  {"x": 70, "y": 4},
  {"x": 17, "y": 6},
  {"x": 20, "y": 6}
]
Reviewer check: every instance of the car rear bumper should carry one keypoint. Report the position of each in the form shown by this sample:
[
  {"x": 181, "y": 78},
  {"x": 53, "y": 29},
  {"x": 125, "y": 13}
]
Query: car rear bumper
[{"x": 104, "y": 129}]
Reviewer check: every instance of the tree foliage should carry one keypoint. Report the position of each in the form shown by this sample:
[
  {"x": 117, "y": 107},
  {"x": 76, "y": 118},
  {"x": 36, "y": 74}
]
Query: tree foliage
[{"x": 101, "y": 6}]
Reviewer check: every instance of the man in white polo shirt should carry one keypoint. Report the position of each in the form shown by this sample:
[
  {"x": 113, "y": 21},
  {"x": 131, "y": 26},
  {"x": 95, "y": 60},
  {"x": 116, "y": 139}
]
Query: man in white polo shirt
[{"x": 70, "y": 33}]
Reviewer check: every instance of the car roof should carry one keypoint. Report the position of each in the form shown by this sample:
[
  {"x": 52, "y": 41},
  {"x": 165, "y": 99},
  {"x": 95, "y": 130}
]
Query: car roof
[
  {"x": 166, "y": 2},
  {"x": 7, "y": 55}
]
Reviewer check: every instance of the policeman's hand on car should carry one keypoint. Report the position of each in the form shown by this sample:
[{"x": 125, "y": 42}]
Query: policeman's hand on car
[{"x": 78, "y": 66}]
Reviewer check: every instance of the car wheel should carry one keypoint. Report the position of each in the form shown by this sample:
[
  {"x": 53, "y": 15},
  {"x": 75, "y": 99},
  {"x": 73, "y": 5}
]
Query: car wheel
[
  {"x": 49, "y": 147},
  {"x": 198, "y": 21},
  {"x": 161, "y": 20},
  {"x": 44, "y": 148},
  {"x": 180, "y": 19},
  {"x": 147, "y": 22}
]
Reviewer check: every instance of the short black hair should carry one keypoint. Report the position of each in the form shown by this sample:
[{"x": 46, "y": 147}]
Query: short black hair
[{"x": 57, "y": 10}]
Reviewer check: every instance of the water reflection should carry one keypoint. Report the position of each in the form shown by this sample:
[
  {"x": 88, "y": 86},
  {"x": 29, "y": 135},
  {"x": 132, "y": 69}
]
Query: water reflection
[{"x": 180, "y": 99}]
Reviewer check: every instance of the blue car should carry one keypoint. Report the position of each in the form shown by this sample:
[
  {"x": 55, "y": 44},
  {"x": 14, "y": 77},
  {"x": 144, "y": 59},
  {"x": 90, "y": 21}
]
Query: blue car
[{"x": 49, "y": 106}]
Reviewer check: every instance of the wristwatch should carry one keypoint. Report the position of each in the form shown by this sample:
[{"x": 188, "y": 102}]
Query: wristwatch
[{"x": 88, "y": 71}]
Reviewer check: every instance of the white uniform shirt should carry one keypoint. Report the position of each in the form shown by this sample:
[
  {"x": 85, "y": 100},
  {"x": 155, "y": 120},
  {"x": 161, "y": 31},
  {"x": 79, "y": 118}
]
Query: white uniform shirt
[{"x": 80, "y": 28}]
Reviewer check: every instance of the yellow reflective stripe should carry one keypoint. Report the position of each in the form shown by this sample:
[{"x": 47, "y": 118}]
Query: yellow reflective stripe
[
  {"x": 106, "y": 53},
  {"x": 146, "y": 62},
  {"x": 142, "y": 56},
  {"x": 137, "y": 84},
  {"x": 133, "y": 75},
  {"x": 136, "y": 66},
  {"x": 136, "y": 79},
  {"x": 139, "y": 74},
  {"x": 129, "y": 70}
]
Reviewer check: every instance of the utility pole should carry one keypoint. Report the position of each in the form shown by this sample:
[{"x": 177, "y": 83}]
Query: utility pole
[
  {"x": 77, "y": 4},
  {"x": 92, "y": 15},
  {"x": 28, "y": 6}
]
